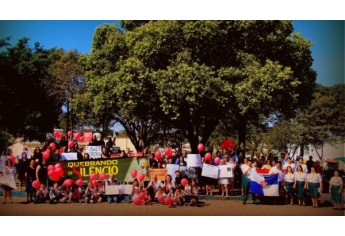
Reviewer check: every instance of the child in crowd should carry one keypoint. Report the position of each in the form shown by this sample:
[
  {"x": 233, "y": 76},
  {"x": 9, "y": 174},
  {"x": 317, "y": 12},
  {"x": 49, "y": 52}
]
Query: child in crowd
[
  {"x": 159, "y": 195},
  {"x": 147, "y": 199},
  {"x": 41, "y": 194},
  {"x": 179, "y": 196},
  {"x": 54, "y": 194}
]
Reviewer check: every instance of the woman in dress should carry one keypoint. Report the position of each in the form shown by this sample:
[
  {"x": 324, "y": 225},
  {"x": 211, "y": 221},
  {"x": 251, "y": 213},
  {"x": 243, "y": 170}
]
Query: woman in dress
[
  {"x": 289, "y": 183},
  {"x": 168, "y": 183},
  {"x": 224, "y": 182},
  {"x": 314, "y": 186},
  {"x": 299, "y": 185},
  {"x": 42, "y": 172},
  {"x": 30, "y": 176},
  {"x": 21, "y": 168},
  {"x": 8, "y": 170},
  {"x": 335, "y": 188}
]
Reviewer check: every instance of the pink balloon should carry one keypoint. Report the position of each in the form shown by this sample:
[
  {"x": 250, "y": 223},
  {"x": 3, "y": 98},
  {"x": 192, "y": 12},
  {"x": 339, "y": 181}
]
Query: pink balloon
[
  {"x": 69, "y": 133},
  {"x": 70, "y": 144},
  {"x": 134, "y": 173},
  {"x": 200, "y": 147},
  {"x": 217, "y": 160},
  {"x": 77, "y": 136},
  {"x": 58, "y": 165},
  {"x": 101, "y": 176},
  {"x": 137, "y": 201},
  {"x": 167, "y": 200},
  {"x": 142, "y": 177},
  {"x": 52, "y": 146},
  {"x": 79, "y": 182},
  {"x": 158, "y": 155},
  {"x": 171, "y": 201},
  {"x": 36, "y": 184},
  {"x": 142, "y": 195},
  {"x": 93, "y": 176},
  {"x": 46, "y": 154},
  {"x": 208, "y": 156},
  {"x": 94, "y": 183},
  {"x": 184, "y": 181}
]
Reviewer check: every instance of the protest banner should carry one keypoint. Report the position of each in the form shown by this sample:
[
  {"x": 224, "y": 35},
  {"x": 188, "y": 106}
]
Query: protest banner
[
  {"x": 171, "y": 168},
  {"x": 225, "y": 171},
  {"x": 125, "y": 189},
  {"x": 161, "y": 173},
  {"x": 95, "y": 152},
  {"x": 194, "y": 160},
  {"x": 70, "y": 156},
  {"x": 210, "y": 171},
  {"x": 121, "y": 168}
]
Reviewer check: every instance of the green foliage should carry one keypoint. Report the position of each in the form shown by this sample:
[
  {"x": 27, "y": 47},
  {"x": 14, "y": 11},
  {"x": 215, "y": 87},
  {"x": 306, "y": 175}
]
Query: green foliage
[{"x": 25, "y": 107}]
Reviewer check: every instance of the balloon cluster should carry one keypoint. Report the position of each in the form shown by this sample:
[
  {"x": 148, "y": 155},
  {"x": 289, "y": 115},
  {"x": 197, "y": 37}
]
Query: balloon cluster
[
  {"x": 138, "y": 199},
  {"x": 55, "y": 172}
]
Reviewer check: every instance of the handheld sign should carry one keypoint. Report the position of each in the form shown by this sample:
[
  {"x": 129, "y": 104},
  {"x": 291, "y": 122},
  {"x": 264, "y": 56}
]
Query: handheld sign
[
  {"x": 95, "y": 152},
  {"x": 194, "y": 160}
]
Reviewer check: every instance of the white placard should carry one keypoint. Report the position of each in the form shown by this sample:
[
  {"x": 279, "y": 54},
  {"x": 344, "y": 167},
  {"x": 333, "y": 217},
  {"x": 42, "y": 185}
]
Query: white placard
[
  {"x": 95, "y": 152},
  {"x": 111, "y": 190},
  {"x": 69, "y": 156},
  {"x": 210, "y": 171},
  {"x": 194, "y": 160},
  {"x": 171, "y": 168},
  {"x": 225, "y": 171},
  {"x": 8, "y": 180}
]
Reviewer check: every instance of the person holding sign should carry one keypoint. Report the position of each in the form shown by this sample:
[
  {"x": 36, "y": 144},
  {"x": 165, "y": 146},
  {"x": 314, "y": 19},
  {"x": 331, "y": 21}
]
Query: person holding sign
[{"x": 224, "y": 182}]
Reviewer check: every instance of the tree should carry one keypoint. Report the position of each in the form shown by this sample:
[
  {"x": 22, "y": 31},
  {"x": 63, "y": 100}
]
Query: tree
[
  {"x": 25, "y": 108},
  {"x": 198, "y": 73}
]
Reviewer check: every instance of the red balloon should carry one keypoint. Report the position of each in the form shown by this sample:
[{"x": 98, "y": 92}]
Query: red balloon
[
  {"x": 36, "y": 184},
  {"x": 61, "y": 150},
  {"x": 171, "y": 201},
  {"x": 79, "y": 182},
  {"x": 160, "y": 198},
  {"x": 200, "y": 147},
  {"x": 13, "y": 159},
  {"x": 142, "y": 177},
  {"x": 184, "y": 181},
  {"x": 81, "y": 139},
  {"x": 137, "y": 201},
  {"x": 59, "y": 135},
  {"x": 56, "y": 133},
  {"x": 134, "y": 173},
  {"x": 101, "y": 176},
  {"x": 46, "y": 154},
  {"x": 70, "y": 144},
  {"x": 59, "y": 172},
  {"x": 67, "y": 183},
  {"x": 158, "y": 155},
  {"x": 55, "y": 178},
  {"x": 167, "y": 200},
  {"x": 69, "y": 133},
  {"x": 168, "y": 152},
  {"x": 93, "y": 176},
  {"x": 94, "y": 183},
  {"x": 208, "y": 156},
  {"x": 142, "y": 195},
  {"x": 77, "y": 136},
  {"x": 52, "y": 146},
  {"x": 50, "y": 167},
  {"x": 50, "y": 173},
  {"x": 58, "y": 165},
  {"x": 217, "y": 160}
]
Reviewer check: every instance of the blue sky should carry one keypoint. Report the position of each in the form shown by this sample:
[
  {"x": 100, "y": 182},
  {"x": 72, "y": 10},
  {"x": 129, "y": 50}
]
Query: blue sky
[{"x": 327, "y": 38}]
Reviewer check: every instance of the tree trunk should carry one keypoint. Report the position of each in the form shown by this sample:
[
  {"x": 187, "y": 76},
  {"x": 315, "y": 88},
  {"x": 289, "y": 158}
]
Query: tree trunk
[
  {"x": 242, "y": 135},
  {"x": 67, "y": 119}
]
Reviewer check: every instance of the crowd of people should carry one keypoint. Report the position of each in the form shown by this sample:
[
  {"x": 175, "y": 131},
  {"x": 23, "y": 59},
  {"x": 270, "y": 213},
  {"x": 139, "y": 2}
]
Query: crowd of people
[{"x": 298, "y": 180}]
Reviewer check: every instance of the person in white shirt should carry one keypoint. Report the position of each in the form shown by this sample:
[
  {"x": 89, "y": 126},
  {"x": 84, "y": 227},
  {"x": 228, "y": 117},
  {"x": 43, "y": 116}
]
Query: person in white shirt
[
  {"x": 300, "y": 184},
  {"x": 232, "y": 164},
  {"x": 245, "y": 163},
  {"x": 314, "y": 186},
  {"x": 288, "y": 183},
  {"x": 277, "y": 170},
  {"x": 289, "y": 163},
  {"x": 246, "y": 171},
  {"x": 335, "y": 188},
  {"x": 153, "y": 186},
  {"x": 304, "y": 166}
]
